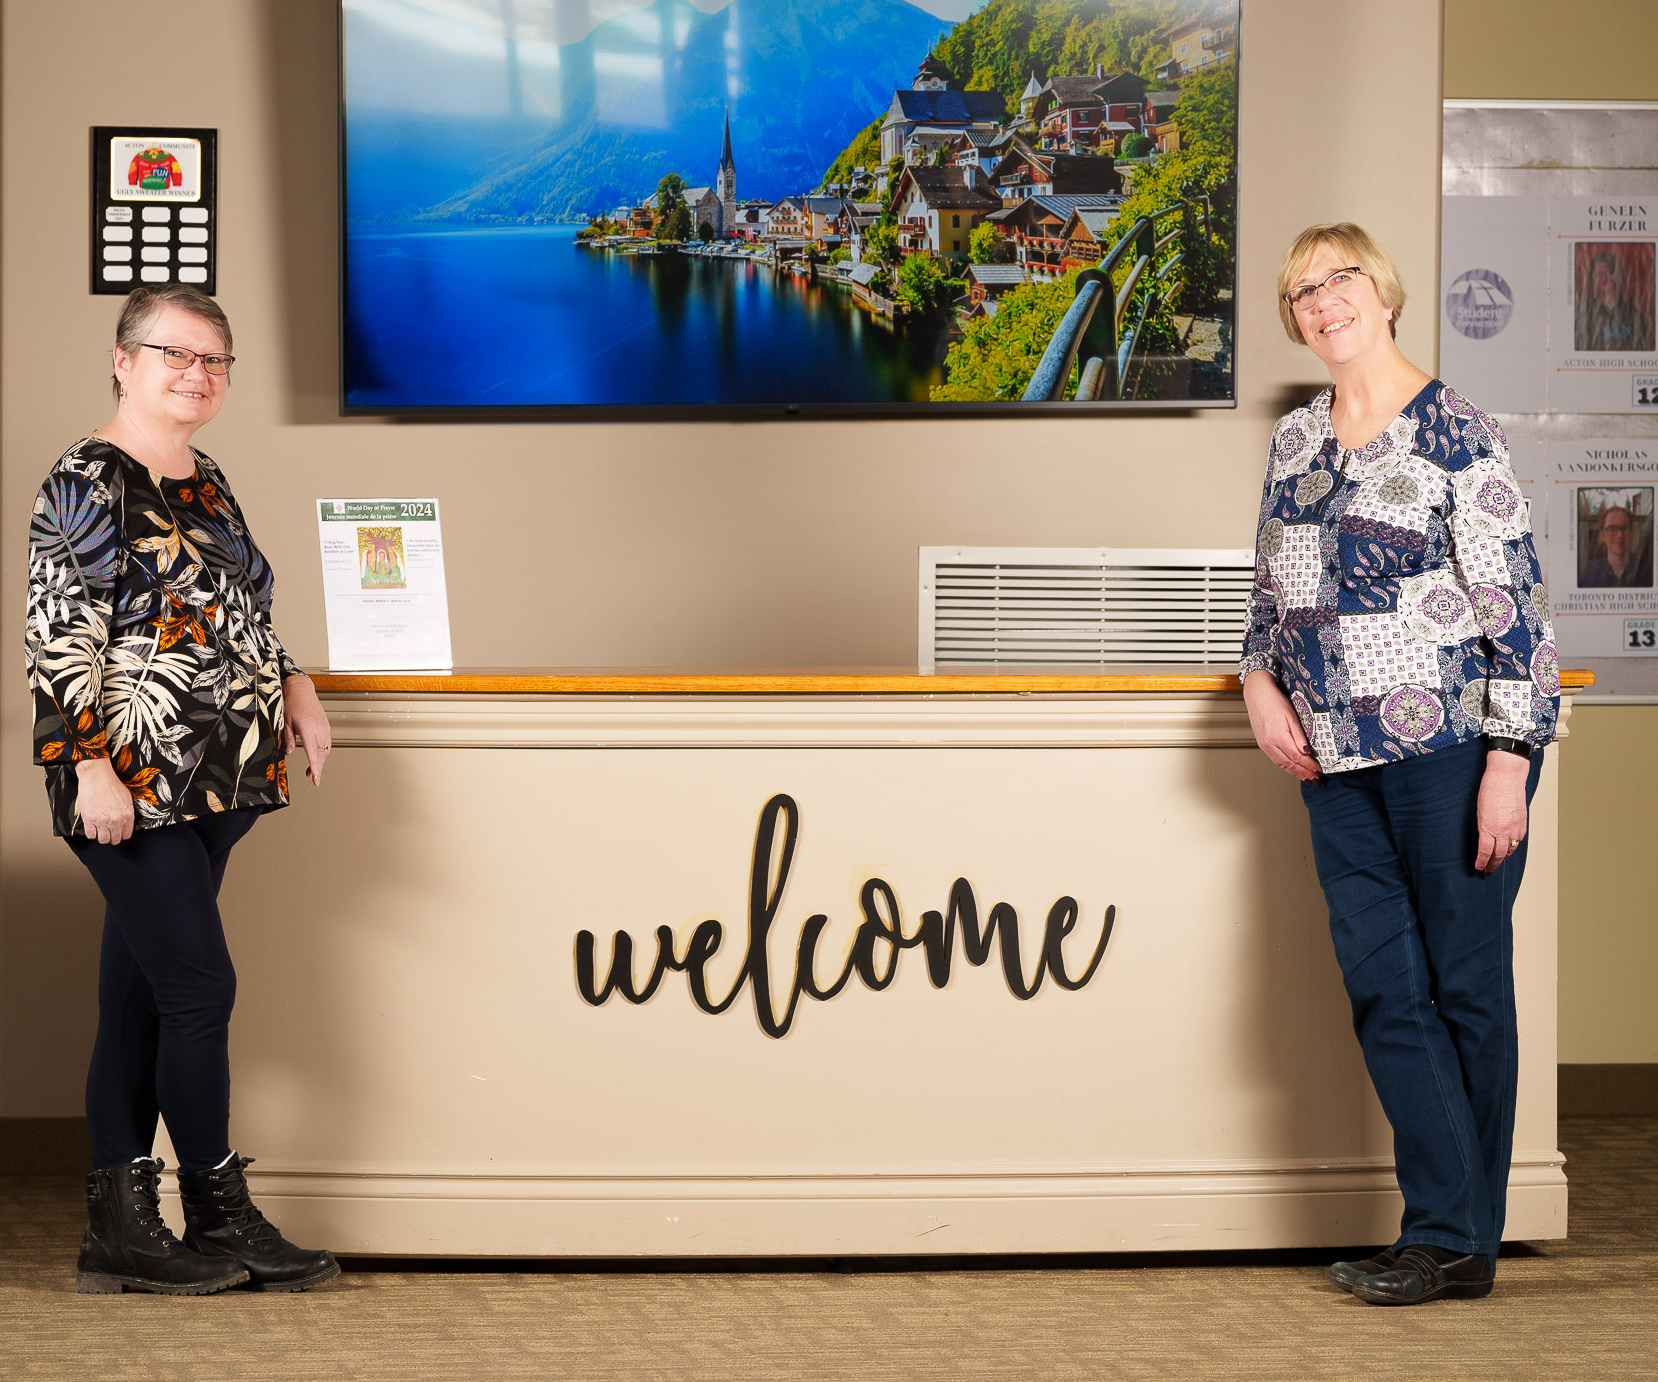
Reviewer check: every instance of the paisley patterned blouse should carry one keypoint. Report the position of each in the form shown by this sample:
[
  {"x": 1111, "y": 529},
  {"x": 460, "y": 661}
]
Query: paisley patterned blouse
[
  {"x": 1397, "y": 596},
  {"x": 149, "y": 640}
]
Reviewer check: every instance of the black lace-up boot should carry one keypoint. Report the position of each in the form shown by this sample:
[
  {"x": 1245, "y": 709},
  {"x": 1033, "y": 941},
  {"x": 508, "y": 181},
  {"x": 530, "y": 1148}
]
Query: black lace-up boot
[
  {"x": 221, "y": 1220},
  {"x": 128, "y": 1247}
]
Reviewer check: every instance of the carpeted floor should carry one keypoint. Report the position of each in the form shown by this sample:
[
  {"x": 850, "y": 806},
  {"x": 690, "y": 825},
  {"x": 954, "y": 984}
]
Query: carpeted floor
[{"x": 1581, "y": 1309}]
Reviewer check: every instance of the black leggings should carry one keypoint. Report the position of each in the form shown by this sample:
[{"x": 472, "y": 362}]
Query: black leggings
[{"x": 165, "y": 990}]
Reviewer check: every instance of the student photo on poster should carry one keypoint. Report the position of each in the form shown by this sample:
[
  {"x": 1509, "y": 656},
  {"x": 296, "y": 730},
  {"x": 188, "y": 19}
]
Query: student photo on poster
[
  {"x": 1614, "y": 538},
  {"x": 1614, "y": 282}
]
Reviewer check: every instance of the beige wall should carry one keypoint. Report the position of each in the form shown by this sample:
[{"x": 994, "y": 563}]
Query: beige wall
[
  {"x": 1608, "y": 915},
  {"x": 1529, "y": 50},
  {"x": 769, "y": 543},
  {"x": 772, "y": 543},
  {"x": 1541, "y": 50}
]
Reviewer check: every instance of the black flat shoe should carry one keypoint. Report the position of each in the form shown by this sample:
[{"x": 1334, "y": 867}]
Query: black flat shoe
[
  {"x": 1415, "y": 1278},
  {"x": 1347, "y": 1274}
]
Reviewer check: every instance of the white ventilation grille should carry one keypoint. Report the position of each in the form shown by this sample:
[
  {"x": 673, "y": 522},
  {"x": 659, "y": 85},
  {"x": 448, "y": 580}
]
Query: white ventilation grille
[{"x": 1088, "y": 605}]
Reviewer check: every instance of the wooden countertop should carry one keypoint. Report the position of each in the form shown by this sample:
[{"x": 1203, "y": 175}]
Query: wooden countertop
[{"x": 773, "y": 681}]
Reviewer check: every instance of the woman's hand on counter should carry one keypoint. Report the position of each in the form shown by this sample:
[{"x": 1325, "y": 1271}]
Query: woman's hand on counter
[
  {"x": 103, "y": 802},
  {"x": 1501, "y": 809},
  {"x": 307, "y": 725},
  {"x": 1277, "y": 729}
]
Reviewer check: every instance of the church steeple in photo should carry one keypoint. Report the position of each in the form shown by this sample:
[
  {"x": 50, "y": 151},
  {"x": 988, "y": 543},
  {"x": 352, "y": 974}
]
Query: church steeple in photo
[{"x": 725, "y": 184}]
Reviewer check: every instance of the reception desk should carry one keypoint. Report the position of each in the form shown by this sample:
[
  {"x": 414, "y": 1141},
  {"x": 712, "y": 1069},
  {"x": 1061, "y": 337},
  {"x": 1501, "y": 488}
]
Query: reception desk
[{"x": 910, "y": 963}]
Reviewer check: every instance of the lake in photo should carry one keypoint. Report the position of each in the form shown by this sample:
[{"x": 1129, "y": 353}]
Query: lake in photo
[{"x": 464, "y": 317}]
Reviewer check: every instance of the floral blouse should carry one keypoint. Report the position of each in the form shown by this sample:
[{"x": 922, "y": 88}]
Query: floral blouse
[
  {"x": 149, "y": 640},
  {"x": 1397, "y": 596}
]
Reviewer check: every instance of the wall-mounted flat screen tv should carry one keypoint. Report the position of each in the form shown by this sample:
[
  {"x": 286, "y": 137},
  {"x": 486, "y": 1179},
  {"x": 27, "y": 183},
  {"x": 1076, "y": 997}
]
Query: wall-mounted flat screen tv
[{"x": 757, "y": 207}]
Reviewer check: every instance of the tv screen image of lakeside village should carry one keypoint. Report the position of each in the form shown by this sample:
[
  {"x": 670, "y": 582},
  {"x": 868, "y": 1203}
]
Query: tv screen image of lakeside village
[{"x": 755, "y": 205}]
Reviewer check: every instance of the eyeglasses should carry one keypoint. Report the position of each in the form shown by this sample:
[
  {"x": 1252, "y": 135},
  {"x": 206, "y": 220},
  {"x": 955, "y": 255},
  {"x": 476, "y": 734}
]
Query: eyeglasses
[
  {"x": 179, "y": 357},
  {"x": 1615, "y": 528},
  {"x": 1303, "y": 298}
]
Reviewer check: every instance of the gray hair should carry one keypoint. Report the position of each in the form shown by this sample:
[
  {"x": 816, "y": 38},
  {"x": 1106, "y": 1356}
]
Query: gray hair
[{"x": 144, "y": 305}]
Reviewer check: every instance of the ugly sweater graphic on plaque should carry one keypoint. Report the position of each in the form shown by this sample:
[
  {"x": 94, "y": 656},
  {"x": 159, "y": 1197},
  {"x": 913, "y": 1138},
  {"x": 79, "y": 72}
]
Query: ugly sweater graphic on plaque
[{"x": 154, "y": 170}]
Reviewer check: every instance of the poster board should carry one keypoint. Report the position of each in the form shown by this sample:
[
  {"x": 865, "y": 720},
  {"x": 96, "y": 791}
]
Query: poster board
[{"x": 1548, "y": 317}]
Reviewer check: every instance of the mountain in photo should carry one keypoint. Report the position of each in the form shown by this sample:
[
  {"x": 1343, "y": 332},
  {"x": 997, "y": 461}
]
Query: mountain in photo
[{"x": 645, "y": 94}]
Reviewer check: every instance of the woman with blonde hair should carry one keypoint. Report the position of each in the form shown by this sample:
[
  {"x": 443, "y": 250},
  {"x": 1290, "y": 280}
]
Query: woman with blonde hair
[{"x": 1400, "y": 664}]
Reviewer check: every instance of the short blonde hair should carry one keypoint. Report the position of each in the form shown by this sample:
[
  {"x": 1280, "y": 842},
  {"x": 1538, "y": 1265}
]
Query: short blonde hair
[{"x": 1352, "y": 245}]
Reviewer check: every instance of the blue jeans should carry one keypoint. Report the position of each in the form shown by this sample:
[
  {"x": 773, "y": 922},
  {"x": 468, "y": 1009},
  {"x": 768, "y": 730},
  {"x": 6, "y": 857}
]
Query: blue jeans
[{"x": 1426, "y": 947}]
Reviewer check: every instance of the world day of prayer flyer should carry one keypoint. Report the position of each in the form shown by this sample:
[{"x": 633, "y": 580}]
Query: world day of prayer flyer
[{"x": 383, "y": 586}]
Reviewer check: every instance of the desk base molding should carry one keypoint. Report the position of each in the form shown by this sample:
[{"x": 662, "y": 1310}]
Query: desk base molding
[
  {"x": 483, "y": 1214},
  {"x": 451, "y": 1094}
]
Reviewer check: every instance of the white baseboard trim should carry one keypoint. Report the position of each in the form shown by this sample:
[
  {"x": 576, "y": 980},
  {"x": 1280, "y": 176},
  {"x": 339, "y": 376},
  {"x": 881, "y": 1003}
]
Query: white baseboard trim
[{"x": 399, "y": 1214}]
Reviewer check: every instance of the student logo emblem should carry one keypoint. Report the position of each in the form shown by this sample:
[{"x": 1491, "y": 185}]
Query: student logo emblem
[{"x": 1479, "y": 304}]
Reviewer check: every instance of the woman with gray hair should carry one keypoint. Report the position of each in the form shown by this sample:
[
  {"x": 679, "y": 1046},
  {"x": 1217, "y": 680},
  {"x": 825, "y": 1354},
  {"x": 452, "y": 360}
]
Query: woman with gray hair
[
  {"x": 1399, "y": 663},
  {"x": 165, "y": 707}
]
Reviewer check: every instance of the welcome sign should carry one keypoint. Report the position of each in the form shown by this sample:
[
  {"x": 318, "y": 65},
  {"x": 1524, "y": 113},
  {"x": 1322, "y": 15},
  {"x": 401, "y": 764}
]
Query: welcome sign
[{"x": 877, "y": 944}]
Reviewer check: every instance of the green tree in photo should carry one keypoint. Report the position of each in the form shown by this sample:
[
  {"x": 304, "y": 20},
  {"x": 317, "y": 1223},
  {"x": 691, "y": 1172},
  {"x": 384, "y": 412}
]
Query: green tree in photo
[
  {"x": 881, "y": 244},
  {"x": 705, "y": 230},
  {"x": 999, "y": 47},
  {"x": 676, "y": 225},
  {"x": 895, "y": 170},
  {"x": 989, "y": 244},
  {"x": 863, "y": 152},
  {"x": 923, "y": 289},
  {"x": 1207, "y": 113},
  {"x": 670, "y": 191},
  {"x": 673, "y": 216},
  {"x": 997, "y": 356},
  {"x": 1203, "y": 167},
  {"x": 1136, "y": 145}
]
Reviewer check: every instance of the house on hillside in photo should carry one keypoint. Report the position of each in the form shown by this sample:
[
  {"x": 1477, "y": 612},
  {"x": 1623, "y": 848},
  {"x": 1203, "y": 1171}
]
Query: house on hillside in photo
[
  {"x": 1206, "y": 37},
  {"x": 932, "y": 105},
  {"x": 981, "y": 149},
  {"x": 938, "y": 208},
  {"x": 860, "y": 218},
  {"x": 1071, "y": 113},
  {"x": 1037, "y": 227},
  {"x": 1028, "y": 172},
  {"x": 1084, "y": 234},
  {"x": 825, "y": 220},
  {"x": 787, "y": 219},
  {"x": 1159, "y": 121},
  {"x": 751, "y": 220},
  {"x": 988, "y": 282}
]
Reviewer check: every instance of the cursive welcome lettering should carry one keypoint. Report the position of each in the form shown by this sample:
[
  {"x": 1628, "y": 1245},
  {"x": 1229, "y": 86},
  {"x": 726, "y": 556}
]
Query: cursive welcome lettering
[{"x": 876, "y": 945}]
